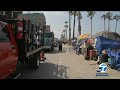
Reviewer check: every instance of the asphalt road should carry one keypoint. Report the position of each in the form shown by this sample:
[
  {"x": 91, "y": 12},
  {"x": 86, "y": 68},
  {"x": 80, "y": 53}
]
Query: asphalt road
[{"x": 50, "y": 69}]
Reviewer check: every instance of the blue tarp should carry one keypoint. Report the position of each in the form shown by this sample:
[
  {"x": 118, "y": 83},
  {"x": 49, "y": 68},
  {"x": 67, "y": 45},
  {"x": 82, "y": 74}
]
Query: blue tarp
[
  {"x": 104, "y": 43},
  {"x": 115, "y": 59},
  {"x": 116, "y": 55}
]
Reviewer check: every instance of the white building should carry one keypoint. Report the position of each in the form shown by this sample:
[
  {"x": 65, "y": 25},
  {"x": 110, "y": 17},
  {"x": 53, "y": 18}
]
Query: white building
[
  {"x": 36, "y": 18},
  {"x": 9, "y": 14}
]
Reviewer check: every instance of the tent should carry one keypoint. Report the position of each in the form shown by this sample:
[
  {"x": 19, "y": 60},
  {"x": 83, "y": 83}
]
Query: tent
[
  {"x": 104, "y": 43},
  {"x": 108, "y": 34},
  {"x": 83, "y": 36}
]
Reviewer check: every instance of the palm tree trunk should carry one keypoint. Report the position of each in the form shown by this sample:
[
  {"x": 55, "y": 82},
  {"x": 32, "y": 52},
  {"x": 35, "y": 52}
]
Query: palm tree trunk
[
  {"x": 66, "y": 33},
  {"x": 69, "y": 29},
  {"x": 108, "y": 25},
  {"x": 116, "y": 26},
  {"x": 74, "y": 27},
  {"x": 79, "y": 24},
  {"x": 104, "y": 24},
  {"x": 91, "y": 26}
]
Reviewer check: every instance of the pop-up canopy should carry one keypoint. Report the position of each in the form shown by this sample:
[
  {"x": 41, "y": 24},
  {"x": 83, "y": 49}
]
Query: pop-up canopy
[{"x": 83, "y": 36}]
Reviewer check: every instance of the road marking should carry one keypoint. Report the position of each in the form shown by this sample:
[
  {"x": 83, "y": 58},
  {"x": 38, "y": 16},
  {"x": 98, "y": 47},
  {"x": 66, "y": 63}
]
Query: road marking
[{"x": 17, "y": 76}]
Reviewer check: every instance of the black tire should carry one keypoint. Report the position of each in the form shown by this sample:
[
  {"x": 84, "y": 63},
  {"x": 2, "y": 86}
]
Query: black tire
[{"x": 36, "y": 62}]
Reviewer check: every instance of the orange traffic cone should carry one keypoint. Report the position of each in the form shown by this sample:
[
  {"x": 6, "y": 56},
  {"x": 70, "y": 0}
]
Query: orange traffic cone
[{"x": 42, "y": 56}]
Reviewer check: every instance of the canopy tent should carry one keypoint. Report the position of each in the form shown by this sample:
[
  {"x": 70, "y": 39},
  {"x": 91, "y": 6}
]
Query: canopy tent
[
  {"x": 84, "y": 36},
  {"x": 104, "y": 43},
  {"x": 84, "y": 40},
  {"x": 108, "y": 34}
]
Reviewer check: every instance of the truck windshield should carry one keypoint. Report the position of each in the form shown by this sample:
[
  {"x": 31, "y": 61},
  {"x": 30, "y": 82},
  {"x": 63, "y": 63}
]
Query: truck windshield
[{"x": 4, "y": 35}]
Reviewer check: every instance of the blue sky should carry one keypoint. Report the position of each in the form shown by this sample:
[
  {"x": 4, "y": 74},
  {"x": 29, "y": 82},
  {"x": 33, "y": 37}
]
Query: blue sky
[{"x": 56, "y": 19}]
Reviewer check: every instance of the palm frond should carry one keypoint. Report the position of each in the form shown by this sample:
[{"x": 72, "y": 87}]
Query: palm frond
[
  {"x": 103, "y": 16},
  {"x": 116, "y": 17},
  {"x": 109, "y": 16},
  {"x": 90, "y": 14}
]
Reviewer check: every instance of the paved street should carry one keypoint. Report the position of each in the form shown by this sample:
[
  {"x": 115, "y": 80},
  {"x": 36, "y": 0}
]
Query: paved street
[{"x": 65, "y": 65}]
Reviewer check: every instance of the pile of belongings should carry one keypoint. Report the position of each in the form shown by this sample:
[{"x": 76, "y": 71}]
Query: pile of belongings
[
  {"x": 106, "y": 53},
  {"x": 103, "y": 57},
  {"x": 114, "y": 60}
]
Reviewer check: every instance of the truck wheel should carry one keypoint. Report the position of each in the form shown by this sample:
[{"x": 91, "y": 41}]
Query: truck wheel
[{"x": 36, "y": 60}]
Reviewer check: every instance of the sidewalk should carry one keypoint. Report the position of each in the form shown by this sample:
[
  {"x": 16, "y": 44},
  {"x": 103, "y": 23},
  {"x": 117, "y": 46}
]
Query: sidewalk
[
  {"x": 79, "y": 68},
  {"x": 68, "y": 47}
]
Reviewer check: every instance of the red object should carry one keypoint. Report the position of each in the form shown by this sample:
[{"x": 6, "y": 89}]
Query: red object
[
  {"x": 41, "y": 56},
  {"x": 19, "y": 35},
  {"x": 8, "y": 55},
  {"x": 89, "y": 41},
  {"x": 20, "y": 31},
  {"x": 20, "y": 27},
  {"x": 92, "y": 54}
]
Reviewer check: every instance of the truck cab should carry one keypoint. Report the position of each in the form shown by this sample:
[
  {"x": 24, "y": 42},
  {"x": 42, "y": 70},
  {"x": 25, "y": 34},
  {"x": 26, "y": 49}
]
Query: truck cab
[{"x": 8, "y": 51}]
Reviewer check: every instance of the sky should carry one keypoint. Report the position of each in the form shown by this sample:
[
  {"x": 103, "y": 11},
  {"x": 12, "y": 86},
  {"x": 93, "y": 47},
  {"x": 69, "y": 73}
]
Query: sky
[{"x": 56, "y": 19}]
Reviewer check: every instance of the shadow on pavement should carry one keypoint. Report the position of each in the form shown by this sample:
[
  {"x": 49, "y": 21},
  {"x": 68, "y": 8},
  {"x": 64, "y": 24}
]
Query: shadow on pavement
[
  {"x": 55, "y": 52},
  {"x": 45, "y": 71}
]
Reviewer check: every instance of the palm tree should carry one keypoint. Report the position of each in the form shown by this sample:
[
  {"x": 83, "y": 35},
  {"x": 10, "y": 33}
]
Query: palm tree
[
  {"x": 91, "y": 15},
  {"x": 109, "y": 17},
  {"x": 104, "y": 17},
  {"x": 116, "y": 17},
  {"x": 79, "y": 21},
  {"x": 74, "y": 13},
  {"x": 70, "y": 27}
]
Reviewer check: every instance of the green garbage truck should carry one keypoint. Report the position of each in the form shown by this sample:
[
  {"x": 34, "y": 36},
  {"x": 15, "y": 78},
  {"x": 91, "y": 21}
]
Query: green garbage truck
[{"x": 49, "y": 41}]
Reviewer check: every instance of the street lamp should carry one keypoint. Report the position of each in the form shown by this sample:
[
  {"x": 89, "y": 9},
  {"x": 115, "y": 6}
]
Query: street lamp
[
  {"x": 66, "y": 26},
  {"x": 66, "y": 22}
]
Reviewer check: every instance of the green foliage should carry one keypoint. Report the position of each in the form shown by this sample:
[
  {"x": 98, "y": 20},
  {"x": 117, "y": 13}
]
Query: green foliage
[
  {"x": 103, "y": 16},
  {"x": 116, "y": 17},
  {"x": 109, "y": 16},
  {"x": 91, "y": 14}
]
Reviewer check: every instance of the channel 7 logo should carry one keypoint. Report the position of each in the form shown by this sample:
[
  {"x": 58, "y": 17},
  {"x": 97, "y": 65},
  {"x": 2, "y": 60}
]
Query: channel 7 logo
[{"x": 102, "y": 69}]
